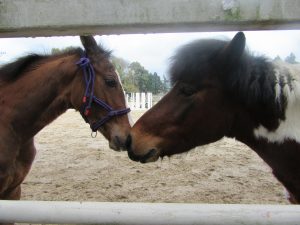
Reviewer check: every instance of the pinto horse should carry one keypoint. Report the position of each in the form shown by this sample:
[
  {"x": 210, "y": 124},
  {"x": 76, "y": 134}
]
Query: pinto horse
[
  {"x": 34, "y": 90},
  {"x": 220, "y": 89}
]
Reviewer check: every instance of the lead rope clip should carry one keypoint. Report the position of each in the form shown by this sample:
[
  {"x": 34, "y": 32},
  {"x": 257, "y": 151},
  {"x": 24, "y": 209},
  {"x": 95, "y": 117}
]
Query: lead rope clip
[{"x": 94, "y": 134}]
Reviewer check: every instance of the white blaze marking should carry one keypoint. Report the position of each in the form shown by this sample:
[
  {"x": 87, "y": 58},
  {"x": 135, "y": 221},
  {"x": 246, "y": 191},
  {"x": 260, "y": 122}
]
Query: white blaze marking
[
  {"x": 290, "y": 127},
  {"x": 129, "y": 113}
]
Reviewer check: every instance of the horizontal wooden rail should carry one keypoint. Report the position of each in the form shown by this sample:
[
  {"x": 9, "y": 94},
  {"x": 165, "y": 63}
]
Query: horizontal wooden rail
[
  {"x": 74, "y": 17},
  {"x": 109, "y": 213}
]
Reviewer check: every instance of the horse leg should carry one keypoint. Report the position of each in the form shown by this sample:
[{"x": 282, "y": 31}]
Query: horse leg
[
  {"x": 8, "y": 154},
  {"x": 17, "y": 172},
  {"x": 22, "y": 166},
  {"x": 12, "y": 194}
]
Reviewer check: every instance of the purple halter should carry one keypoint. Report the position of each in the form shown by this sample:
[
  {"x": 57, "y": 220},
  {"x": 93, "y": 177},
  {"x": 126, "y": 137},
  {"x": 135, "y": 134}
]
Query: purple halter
[{"x": 89, "y": 97}]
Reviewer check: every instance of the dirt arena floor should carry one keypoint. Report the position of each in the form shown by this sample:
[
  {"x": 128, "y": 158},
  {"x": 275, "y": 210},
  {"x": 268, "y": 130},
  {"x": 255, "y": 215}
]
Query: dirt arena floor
[{"x": 72, "y": 166}]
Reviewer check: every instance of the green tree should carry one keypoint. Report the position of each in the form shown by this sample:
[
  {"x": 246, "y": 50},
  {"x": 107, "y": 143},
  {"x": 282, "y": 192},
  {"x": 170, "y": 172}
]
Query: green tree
[
  {"x": 277, "y": 58},
  {"x": 121, "y": 66},
  {"x": 140, "y": 76},
  {"x": 156, "y": 84},
  {"x": 291, "y": 58},
  {"x": 126, "y": 75},
  {"x": 166, "y": 85},
  {"x": 129, "y": 82},
  {"x": 55, "y": 51}
]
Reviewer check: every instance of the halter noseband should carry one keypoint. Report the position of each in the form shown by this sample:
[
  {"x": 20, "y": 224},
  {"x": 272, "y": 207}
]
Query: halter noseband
[{"x": 89, "y": 97}]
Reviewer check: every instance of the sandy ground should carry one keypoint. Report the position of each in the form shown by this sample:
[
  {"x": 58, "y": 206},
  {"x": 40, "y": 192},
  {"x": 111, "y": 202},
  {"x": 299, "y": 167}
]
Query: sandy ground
[{"x": 72, "y": 166}]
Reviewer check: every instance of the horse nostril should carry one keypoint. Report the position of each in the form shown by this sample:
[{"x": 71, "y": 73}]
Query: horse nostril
[{"x": 128, "y": 142}]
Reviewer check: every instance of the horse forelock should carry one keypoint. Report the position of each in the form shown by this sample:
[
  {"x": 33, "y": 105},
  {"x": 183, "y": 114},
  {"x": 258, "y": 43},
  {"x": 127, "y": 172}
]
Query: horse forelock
[{"x": 190, "y": 61}]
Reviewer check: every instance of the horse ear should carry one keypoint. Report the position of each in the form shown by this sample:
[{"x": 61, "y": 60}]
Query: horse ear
[
  {"x": 90, "y": 45},
  {"x": 233, "y": 52}
]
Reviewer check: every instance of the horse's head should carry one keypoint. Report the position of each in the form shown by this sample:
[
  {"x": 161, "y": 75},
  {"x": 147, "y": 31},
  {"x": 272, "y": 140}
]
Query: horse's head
[
  {"x": 197, "y": 110},
  {"x": 98, "y": 94}
]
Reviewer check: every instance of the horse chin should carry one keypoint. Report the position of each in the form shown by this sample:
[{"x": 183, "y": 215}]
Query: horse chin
[
  {"x": 151, "y": 156},
  {"x": 118, "y": 143},
  {"x": 114, "y": 147}
]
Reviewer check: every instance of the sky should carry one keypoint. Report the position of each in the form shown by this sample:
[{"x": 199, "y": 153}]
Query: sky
[{"x": 154, "y": 50}]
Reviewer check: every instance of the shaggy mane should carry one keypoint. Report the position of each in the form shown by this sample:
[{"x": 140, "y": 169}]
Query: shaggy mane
[{"x": 250, "y": 81}]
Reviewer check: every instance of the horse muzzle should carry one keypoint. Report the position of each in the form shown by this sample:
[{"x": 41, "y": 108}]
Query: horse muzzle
[
  {"x": 117, "y": 143},
  {"x": 150, "y": 155}
]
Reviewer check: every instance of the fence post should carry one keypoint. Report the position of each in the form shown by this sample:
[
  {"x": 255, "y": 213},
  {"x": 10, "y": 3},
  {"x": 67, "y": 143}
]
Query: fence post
[
  {"x": 149, "y": 100},
  {"x": 137, "y": 101},
  {"x": 143, "y": 100}
]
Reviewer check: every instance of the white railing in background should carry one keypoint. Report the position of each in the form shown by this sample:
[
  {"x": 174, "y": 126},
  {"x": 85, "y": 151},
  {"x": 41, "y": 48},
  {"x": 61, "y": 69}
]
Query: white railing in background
[
  {"x": 120, "y": 213},
  {"x": 139, "y": 101}
]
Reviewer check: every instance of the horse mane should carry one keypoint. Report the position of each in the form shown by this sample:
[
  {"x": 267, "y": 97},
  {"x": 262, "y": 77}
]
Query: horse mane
[
  {"x": 12, "y": 71},
  {"x": 251, "y": 81}
]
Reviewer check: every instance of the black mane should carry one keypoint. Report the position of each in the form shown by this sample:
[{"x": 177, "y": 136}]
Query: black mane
[
  {"x": 250, "y": 81},
  {"x": 12, "y": 71}
]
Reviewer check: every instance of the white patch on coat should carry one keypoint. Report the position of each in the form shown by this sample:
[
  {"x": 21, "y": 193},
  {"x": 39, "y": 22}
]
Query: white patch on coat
[
  {"x": 290, "y": 127},
  {"x": 277, "y": 86}
]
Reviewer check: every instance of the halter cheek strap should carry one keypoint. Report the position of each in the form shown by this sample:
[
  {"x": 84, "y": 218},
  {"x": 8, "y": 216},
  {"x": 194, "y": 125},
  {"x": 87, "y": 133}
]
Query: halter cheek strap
[{"x": 89, "y": 98}]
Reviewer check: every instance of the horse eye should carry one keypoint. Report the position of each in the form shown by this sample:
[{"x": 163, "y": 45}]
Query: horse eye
[
  {"x": 187, "y": 90},
  {"x": 111, "y": 82}
]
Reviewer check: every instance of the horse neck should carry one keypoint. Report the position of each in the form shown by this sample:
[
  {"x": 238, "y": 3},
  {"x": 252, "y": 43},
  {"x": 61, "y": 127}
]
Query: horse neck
[
  {"x": 279, "y": 143},
  {"x": 269, "y": 109},
  {"x": 283, "y": 157},
  {"x": 47, "y": 95}
]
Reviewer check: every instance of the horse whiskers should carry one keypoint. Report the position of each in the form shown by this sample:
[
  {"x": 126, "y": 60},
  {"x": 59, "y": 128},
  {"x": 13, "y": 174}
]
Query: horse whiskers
[{"x": 165, "y": 156}]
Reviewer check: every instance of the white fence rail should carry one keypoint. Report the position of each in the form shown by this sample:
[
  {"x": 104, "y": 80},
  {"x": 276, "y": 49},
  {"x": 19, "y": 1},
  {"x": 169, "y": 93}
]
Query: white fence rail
[
  {"x": 73, "y": 17},
  {"x": 114, "y": 213},
  {"x": 139, "y": 101}
]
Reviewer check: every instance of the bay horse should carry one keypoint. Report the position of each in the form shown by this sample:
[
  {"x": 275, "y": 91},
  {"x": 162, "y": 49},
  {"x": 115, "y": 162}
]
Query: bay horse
[
  {"x": 36, "y": 89},
  {"x": 221, "y": 89}
]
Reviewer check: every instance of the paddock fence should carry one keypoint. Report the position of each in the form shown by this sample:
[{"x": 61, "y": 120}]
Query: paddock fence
[
  {"x": 73, "y": 17},
  {"x": 120, "y": 213},
  {"x": 139, "y": 101}
]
